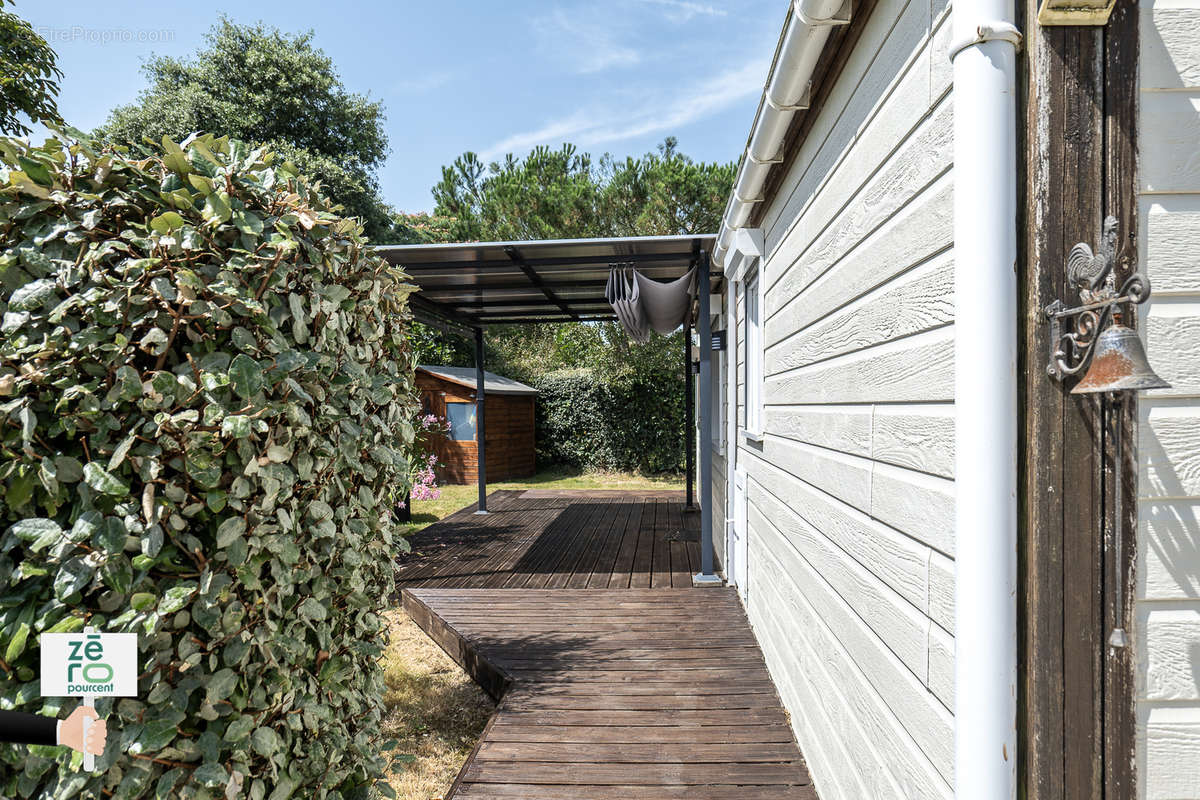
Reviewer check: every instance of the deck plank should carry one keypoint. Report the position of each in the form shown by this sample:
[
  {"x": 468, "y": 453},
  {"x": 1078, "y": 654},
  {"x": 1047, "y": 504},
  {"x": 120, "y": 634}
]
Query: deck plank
[
  {"x": 682, "y": 706},
  {"x": 542, "y": 539}
]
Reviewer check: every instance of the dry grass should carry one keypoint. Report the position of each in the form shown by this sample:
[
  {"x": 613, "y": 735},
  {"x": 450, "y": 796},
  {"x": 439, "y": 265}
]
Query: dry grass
[{"x": 435, "y": 711}]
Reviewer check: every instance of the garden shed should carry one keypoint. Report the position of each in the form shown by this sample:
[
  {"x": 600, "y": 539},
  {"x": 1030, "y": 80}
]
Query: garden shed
[{"x": 449, "y": 392}]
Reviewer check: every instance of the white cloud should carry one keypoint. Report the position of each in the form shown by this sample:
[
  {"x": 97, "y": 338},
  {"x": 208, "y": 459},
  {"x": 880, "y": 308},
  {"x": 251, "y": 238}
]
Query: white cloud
[
  {"x": 684, "y": 10},
  {"x": 619, "y": 121},
  {"x": 587, "y": 43}
]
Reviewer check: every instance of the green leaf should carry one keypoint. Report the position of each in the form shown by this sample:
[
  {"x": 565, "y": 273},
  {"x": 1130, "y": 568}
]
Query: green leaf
[
  {"x": 217, "y": 210},
  {"x": 110, "y": 536},
  {"x": 142, "y": 601},
  {"x": 176, "y": 598},
  {"x": 71, "y": 578},
  {"x": 16, "y": 645},
  {"x": 32, "y": 296},
  {"x": 210, "y": 774},
  {"x": 36, "y": 170},
  {"x": 129, "y": 382},
  {"x": 236, "y": 425},
  {"x": 229, "y": 530},
  {"x": 117, "y": 573},
  {"x": 102, "y": 481},
  {"x": 239, "y": 729},
  {"x": 312, "y": 609},
  {"x": 32, "y": 530},
  {"x": 221, "y": 685},
  {"x": 265, "y": 741},
  {"x": 166, "y": 222},
  {"x": 156, "y": 734},
  {"x": 67, "y": 469},
  {"x": 245, "y": 375},
  {"x": 248, "y": 222}
]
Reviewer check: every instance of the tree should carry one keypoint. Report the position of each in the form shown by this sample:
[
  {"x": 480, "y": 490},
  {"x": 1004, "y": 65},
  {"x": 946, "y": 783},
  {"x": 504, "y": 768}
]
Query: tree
[
  {"x": 565, "y": 194},
  {"x": 29, "y": 75},
  {"x": 259, "y": 84},
  {"x": 559, "y": 194},
  {"x": 550, "y": 194}
]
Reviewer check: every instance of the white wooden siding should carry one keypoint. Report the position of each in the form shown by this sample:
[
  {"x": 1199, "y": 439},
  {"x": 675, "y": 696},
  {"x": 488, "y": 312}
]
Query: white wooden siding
[
  {"x": 1167, "y": 617},
  {"x": 851, "y": 491}
]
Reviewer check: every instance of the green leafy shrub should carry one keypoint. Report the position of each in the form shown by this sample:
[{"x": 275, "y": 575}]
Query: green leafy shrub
[
  {"x": 205, "y": 405},
  {"x": 588, "y": 420}
]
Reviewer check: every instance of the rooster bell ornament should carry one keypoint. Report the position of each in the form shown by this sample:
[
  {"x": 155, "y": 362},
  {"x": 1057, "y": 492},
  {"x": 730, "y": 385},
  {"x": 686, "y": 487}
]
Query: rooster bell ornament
[{"x": 1087, "y": 271}]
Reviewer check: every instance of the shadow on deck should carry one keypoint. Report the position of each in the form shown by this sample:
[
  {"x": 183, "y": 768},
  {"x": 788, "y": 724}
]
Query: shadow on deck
[{"x": 545, "y": 539}]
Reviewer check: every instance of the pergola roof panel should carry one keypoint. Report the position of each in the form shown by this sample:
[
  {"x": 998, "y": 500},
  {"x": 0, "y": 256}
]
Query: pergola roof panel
[{"x": 478, "y": 283}]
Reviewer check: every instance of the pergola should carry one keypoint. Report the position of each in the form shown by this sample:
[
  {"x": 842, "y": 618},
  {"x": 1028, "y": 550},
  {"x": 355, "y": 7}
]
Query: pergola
[{"x": 465, "y": 287}]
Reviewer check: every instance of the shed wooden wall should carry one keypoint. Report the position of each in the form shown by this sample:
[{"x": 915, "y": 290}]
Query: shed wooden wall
[
  {"x": 851, "y": 493},
  {"x": 509, "y": 428},
  {"x": 1167, "y": 613}
]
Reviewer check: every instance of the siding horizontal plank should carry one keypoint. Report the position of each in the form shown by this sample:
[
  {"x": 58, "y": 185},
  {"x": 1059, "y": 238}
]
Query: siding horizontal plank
[
  {"x": 1170, "y": 53},
  {"x": 921, "y": 228},
  {"x": 1173, "y": 163},
  {"x": 1169, "y": 549},
  {"x": 918, "y": 301},
  {"x": 895, "y": 621},
  {"x": 1171, "y": 738},
  {"x": 1168, "y": 637},
  {"x": 886, "y": 696},
  {"x": 894, "y": 558},
  {"x": 1172, "y": 239},
  {"x": 917, "y": 437},
  {"x": 1172, "y": 331},
  {"x": 913, "y": 370},
  {"x": 918, "y": 504}
]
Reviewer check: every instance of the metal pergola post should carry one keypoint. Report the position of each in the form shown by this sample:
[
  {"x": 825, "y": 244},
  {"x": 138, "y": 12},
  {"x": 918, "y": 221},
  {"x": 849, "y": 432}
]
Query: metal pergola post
[
  {"x": 689, "y": 423},
  {"x": 480, "y": 438},
  {"x": 706, "y": 576}
]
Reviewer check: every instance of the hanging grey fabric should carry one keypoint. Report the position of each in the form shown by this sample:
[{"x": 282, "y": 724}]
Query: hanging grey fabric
[
  {"x": 643, "y": 304},
  {"x": 665, "y": 305},
  {"x": 623, "y": 294}
]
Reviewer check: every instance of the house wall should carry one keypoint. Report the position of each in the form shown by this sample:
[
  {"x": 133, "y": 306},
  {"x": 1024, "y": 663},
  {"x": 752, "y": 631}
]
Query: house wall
[
  {"x": 509, "y": 428},
  {"x": 1167, "y": 611},
  {"x": 851, "y": 494}
]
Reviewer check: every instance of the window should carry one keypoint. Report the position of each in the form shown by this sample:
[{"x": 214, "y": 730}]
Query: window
[
  {"x": 718, "y": 397},
  {"x": 462, "y": 421},
  {"x": 754, "y": 355}
]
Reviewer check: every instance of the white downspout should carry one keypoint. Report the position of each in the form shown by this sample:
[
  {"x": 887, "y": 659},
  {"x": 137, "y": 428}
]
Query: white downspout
[{"x": 985, "y": 396}]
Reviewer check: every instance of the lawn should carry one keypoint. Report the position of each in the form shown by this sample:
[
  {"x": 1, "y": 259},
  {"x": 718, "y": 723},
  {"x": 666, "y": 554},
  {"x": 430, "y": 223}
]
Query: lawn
[{"x": 434, "y": 710}]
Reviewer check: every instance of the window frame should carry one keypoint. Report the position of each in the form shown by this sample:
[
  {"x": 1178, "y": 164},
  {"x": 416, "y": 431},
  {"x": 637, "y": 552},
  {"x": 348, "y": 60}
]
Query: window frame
[
  {"x": 753, "y": 376},
  {"x": 450, "y": 424}
]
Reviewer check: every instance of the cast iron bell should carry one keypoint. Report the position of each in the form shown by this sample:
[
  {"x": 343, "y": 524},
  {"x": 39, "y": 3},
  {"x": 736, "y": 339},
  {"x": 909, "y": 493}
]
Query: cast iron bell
[{"x": 1119, "y": 364}]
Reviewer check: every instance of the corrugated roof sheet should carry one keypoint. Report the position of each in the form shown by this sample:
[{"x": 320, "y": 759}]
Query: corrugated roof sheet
[{"x": 551, "y": 280}]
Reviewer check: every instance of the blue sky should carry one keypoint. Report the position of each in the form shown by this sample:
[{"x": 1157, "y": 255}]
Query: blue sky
[{"x": 494, "y": 77}]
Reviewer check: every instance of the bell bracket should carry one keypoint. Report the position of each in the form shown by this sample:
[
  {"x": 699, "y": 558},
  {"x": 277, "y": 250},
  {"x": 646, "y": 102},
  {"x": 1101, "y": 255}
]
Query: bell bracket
[{"x": 1093, "y": 277}]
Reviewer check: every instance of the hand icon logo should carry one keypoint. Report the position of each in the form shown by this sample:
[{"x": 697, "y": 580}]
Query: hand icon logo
[{"x": 86, "y": 738}]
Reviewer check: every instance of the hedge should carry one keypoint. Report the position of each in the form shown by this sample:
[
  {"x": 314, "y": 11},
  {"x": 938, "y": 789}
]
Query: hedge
[
  {"x": 205, "y": 397},
  {"x": 629, "y": 424}
]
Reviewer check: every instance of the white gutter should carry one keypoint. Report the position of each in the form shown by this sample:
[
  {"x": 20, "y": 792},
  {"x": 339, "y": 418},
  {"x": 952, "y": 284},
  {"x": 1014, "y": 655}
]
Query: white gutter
[
  {"x": 787, "y": 91},
  {"x": 985, "y": 397}
]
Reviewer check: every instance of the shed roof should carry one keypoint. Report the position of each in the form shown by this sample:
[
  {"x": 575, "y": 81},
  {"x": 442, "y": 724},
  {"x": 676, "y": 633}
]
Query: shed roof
[
  {"x": 492, "y": 383},
  {"x": 550, "y": 280}
]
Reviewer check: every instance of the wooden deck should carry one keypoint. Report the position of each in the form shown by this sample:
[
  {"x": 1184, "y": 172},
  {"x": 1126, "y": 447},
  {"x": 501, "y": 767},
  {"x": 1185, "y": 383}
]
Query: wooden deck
[
  {"x": 541, "y": 539},
  {"x": 616, "y": 693}
]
